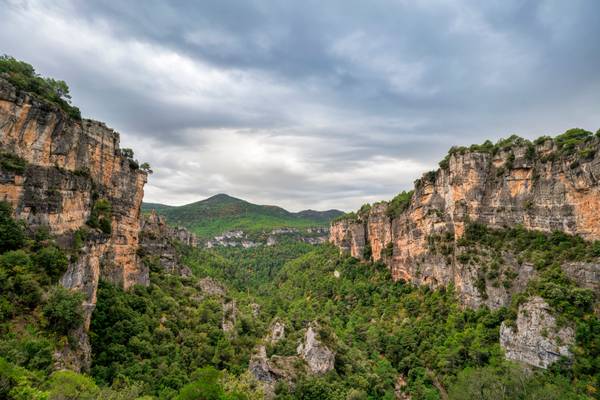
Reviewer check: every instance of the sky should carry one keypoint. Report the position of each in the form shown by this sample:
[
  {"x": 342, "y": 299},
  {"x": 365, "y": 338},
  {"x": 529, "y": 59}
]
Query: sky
[{"x": 312, "y": 104}]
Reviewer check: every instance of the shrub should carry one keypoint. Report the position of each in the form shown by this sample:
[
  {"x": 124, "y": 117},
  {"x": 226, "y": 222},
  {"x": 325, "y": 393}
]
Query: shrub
[
  {"x": 568, "y": 141},
  {"x": 206, "y": 386},
  {"x": 100, "y": 217},
  {"x": 399, "y": 204},
  {"x": 69, "y": 385},
  {"x": 12, "y": 234},
  {"x": 52, "y": 261},
  {"x": 367, "y": 252},
  {"x": 13, "y": 163},
  {"x": 588, "y": 153},
  {"x": 445, "y": 163},
  {"x": 541, "y": 140},
  {"x": 24, "y": 77},
  {"x": 63, "y": 310}
]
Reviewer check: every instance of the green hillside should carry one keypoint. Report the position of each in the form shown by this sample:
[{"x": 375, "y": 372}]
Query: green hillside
[{"x": 221, "y": 213}]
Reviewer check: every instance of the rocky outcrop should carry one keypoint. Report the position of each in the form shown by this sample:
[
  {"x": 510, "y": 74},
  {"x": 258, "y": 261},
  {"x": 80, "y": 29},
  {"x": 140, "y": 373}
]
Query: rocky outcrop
[
  {"x": 271, "y": 370},
  {"x": 158, "y": 242},
  {"x": 319, "y": 358},
  {"x": 535, "y": 338},
  {"x": 229, "y": 316},
  {"x": 276, "y": 332},
  {"x": 65, "y": 167},
  {"x": 211, "y": 287},
  {"x": 536, "y": 186},
  {"x": 238, "y": 238}
]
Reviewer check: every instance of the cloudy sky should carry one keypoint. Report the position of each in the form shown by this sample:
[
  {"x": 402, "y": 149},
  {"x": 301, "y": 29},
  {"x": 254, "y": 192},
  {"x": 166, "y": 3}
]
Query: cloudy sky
[{"x": 312, "y": 104}]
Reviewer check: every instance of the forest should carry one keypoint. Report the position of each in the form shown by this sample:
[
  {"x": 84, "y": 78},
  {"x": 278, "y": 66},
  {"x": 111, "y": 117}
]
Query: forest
[{"x": 390, "y": 339}]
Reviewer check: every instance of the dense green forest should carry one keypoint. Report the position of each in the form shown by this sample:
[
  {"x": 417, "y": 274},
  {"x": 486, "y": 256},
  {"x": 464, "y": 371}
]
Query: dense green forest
[
  {"x": 221, "y": 213},
  {"x": 166, "y": 341}
]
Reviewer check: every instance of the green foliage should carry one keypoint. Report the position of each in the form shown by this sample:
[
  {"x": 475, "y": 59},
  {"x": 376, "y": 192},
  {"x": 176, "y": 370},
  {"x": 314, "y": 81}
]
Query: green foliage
[
  {"x": 399, "y": 204},
  {"x": 24, "y": 77},
  {"x": 101, "y": 216},
  {"x": 18, "y": 384},
  {"x": 221, "y": 213},
  {"x": 349, "y": 216},
  {"x": 159, "y": 335},
  {"x": 568, "y": 142},
  {"x": 206, "y": 386},
  {"x": 68, "y": 385},
  {"x": 63, "y": 310},
  {"x": 364, "y": 209},
  {"x": 13, "y": 163},
  {"x": 509, "y": 381},
  {"x": 52, "y": 261},
  {"x": 12, "y": 234},
  {"x": 146, "y": 168}
]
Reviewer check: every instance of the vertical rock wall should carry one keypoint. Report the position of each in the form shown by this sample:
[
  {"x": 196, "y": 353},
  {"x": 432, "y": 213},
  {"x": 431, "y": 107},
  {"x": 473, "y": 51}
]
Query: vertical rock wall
[
  {"x": 546, "y": 191},
  {"x": 70, "y": 165}
]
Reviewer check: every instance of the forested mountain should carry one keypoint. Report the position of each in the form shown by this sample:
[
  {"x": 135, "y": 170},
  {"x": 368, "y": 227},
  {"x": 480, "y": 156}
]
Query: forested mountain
[{"x": 220, "y": 213}]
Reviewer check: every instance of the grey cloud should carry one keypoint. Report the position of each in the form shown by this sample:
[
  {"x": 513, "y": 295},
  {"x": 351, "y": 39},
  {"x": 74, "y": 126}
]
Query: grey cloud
[{"x": 313, "y": 104}]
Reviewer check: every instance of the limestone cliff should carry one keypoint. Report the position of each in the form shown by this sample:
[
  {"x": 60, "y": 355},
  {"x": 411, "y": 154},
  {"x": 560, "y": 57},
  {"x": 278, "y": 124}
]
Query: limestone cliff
[
  {"x": 549, "y": 185},
  {"x": 540, "y": 187},
  {"x": 64, "y": 167}
]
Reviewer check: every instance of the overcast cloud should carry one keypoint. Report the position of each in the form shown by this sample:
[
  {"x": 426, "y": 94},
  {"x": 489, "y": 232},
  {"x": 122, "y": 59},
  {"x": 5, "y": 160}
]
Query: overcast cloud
[{"x": 312, "y": 104}]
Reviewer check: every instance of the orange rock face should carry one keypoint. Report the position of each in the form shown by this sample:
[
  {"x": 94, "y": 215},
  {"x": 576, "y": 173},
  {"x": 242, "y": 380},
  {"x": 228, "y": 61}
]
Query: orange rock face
[
  {"x": 71, "y": 164},
  {"x": 501, "y": 190}
]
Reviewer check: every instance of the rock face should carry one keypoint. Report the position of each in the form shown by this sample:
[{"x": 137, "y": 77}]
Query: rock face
[
  {"x": 317, "y": 356},
  {"x": 157, "y": 239},
  {"x": 229, "y": 316},
  {"x": 269, "y": 371},
  {"x": 237, "y": 238},
  {"x": 277, "y": 332},
  {"x": 547, "y": 191},
  {"x": 71, "y": 164},
  {"x": 536, "y": 340}
]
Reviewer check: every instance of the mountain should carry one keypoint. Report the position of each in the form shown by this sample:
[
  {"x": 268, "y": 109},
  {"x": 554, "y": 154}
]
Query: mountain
[{"x": 220, "y": 213}]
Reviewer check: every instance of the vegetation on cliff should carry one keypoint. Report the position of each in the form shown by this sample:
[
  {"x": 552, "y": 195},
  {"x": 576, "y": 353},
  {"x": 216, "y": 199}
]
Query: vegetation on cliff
[{"x": 24, "y": 77}]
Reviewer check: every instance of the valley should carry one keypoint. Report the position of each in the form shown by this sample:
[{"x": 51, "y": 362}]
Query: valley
[{"x": 481, "y": 282}]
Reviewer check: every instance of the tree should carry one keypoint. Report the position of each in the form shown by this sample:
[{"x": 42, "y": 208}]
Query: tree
[
  {"x": 69, "y": 385},
  {"x": 52, "y": 261},
  {"x": 127, "y": 153},
  {"x": 24, "y": 77},
  {"x": 12, "y": 234},
  {"x": 64, "y": 310},
  {"x": 205, "y": 387},
  {"x": 146, "y": 168}
]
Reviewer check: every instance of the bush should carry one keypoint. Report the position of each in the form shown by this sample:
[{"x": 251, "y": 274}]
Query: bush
[
  {"x": 101, "y": 216},
  {"x": 205, "y": 387},
  {"x": 63, "y": 310},
  {"x": 12, "y": 234},
  {"x": 24, "y": 77},
  {"x": 13, "y": 163},
  {"x": 51, "y": 261},
  {"x": 69, "y": 385},
  {"x": 399, "y": 204}
]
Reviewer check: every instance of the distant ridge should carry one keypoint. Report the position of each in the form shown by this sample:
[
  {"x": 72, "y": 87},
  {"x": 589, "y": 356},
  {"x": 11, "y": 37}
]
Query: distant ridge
[{"x": 220, "y": 213}]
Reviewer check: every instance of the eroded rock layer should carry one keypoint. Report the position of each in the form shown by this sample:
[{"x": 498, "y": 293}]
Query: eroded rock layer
[
  {"x": 536, "y": 186},
  {"x": 63, "y": 167}
]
